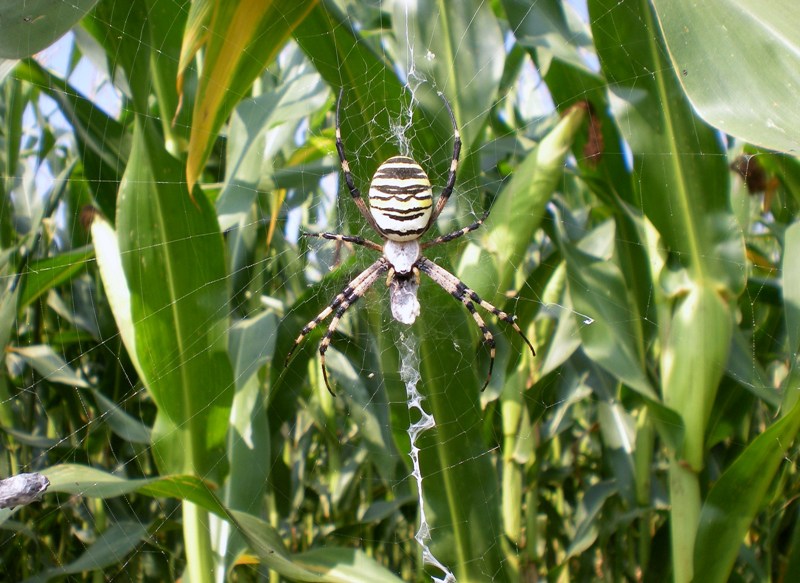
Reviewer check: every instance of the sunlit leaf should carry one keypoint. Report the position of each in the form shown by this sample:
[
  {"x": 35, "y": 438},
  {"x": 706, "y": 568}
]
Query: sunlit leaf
[
  {"x": 28, "y": 27},
  {"x": 243, "y": 38},
  {"x": 50, "y": 365},
  {"x": 457, "y": 47},
  {"x": 109, "y": 262},
  {"x": 739, "y": 63},
  {"x": 530, "y": 187},
  {"x": 172, "y": 254},
  {"x": 791, "y": 286}
]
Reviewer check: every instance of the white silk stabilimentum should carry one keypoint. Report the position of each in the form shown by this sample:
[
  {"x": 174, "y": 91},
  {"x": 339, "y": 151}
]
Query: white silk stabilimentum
[{"x": 409, "y": 374}]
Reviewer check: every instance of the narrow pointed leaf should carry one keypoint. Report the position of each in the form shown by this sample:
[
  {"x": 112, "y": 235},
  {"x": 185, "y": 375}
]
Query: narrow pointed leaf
[
  {"x": 737, "y": 496},
  {"x": 503, "y": 239},
  {"x": 45, "y": 274},
  {"x": 50, "y": 365},
  {"x": 600, "y": 300},
  {"x": 116, "y": 543},
  {"x": 243, "y": 38}
]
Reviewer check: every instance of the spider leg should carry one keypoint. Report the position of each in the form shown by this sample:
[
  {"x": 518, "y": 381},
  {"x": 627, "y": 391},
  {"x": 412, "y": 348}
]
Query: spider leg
[
  {"x": 348, "y": 177},
  {"x": 354, "y": 290},
  {"x": 487, "y": 337},
  {"x": 459, "y": 290},
  {"x": 356, "y": 283},
  {"x": 455, "y": 234},
  {"x": 451, "y": 178},
  {"x": 347, "y": 239}
]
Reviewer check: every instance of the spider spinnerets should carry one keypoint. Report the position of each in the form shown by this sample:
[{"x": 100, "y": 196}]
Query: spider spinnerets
[{"x": 401, "y": 211}]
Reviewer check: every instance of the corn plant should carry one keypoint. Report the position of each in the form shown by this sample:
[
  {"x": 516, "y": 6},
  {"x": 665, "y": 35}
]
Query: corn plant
[{"x": 637, "y": 161}]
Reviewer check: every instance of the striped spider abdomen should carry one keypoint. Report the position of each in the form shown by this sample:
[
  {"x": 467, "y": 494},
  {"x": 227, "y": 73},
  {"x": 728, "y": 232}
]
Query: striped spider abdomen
[{"x": 400, "y": 199}]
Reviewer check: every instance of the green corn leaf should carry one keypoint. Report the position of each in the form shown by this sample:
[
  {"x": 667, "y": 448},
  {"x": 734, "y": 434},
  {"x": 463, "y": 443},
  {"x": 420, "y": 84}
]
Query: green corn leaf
[
  {"x": 43, "y": 275},
  {"x": 685, "y": 196},
  {"x": 266, "y": 542},
  {"x": 172, "y": 254},
  {"x": 111, "y": 547},
  {"x": 739, "y": 64},
  {"x": 28, "y": 27},
  {"x": 243, "y": 37},
  {"x": 50, "y": 365},
  {"x": 458, "y": 48},
  {"x": 791, "y": 286},
  {"x": 601, "y": 300},
  {"x": 371, "y": 89},
  {"x": 737, "y": 496}
]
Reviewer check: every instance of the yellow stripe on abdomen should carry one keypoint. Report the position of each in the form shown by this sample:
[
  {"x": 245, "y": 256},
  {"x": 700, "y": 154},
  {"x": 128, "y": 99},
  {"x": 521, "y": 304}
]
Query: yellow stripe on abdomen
[{"x": 400, "y": 199}]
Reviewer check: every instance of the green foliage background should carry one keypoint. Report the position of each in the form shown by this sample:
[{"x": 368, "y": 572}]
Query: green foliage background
[{"x": 154, "y": 285}]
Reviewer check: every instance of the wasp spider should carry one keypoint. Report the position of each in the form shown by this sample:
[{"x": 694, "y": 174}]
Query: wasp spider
[{"x": 400, "y": 211}]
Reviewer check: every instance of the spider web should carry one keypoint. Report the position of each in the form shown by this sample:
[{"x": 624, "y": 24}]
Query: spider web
[{"x": 336, "y": 472}]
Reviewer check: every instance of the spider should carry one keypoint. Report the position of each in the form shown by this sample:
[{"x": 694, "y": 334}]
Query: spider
[{"x": 401, "y": 211}]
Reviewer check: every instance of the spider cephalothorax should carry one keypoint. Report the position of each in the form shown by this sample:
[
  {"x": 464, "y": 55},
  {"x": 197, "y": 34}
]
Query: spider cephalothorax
[{"x": 401, "y": 211}]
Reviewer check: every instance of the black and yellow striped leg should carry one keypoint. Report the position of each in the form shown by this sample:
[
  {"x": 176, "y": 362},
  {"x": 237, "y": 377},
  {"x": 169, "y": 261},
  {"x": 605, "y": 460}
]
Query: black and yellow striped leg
[
  {"x": 488, "y": 339},
  {"x": 347, "y": 239},
  {"x": 458, "y": 289},
  {"x": 455, "y": 234},
  {"x": 354, "y": 290},
  {"x": 370, "y": 273},
  {"x": 348, "y": 177},
  {"x": 451, "y": 178}
]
